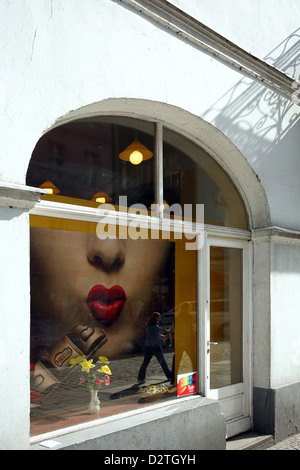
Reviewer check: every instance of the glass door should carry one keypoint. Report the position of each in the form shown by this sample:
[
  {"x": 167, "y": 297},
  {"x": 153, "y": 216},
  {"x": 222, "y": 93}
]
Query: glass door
[{"x": 228, "y": 329}]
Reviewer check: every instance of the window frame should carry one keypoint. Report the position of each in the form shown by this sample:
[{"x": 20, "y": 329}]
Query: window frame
[{"x": 159, "y": 223}]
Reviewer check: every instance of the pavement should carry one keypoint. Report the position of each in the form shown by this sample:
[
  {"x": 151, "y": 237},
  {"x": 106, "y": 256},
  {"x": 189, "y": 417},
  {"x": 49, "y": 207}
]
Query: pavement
[
  {"x": 291, "y": 443},
  {"x": 253, "y": 441}
]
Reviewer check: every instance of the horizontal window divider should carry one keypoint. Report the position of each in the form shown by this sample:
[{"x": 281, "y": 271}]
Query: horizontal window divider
[
  {"x": 97, "y": 215},
  {"x": 219, "y": 231}
]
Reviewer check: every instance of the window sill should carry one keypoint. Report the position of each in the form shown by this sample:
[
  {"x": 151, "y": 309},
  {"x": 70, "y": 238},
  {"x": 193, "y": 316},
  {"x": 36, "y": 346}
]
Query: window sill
[{"x": 145, "y": 428}]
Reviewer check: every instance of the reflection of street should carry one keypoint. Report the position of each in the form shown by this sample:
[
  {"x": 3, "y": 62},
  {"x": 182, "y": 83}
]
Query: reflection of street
[
  {"x": 125, "y": 373},
  {"x": 220, "y": 365},
  {"x": 67, "y": 405}
]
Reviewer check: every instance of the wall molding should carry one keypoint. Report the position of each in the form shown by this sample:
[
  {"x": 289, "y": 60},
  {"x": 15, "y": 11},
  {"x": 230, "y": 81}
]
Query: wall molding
[
  {"x": 19, "y": 196},
  {"x": 275, "y": 234},
  {"x": 197, "y": 34}
]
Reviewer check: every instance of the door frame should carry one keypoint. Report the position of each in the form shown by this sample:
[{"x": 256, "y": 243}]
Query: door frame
[{"x": 233, "y": 398}]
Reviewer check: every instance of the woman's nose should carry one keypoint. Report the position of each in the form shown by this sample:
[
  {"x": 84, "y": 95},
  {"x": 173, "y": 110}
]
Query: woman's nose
[{"x": 106, "y": 254}]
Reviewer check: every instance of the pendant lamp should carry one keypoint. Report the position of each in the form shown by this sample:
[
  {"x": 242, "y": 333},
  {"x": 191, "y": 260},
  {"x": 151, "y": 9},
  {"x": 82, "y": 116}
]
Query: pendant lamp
[
  {"x": 50, "y": 187},
  {"x": 101, "y": 197},
  {"x": 136, "y": 153}
]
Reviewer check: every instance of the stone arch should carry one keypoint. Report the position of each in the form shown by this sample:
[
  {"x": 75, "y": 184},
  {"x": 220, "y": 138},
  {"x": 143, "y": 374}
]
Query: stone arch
[{"x": 201, "y": 133}]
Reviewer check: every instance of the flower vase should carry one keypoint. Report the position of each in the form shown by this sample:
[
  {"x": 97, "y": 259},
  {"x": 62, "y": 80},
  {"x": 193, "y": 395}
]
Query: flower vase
[{"x": 94, "y": 406}]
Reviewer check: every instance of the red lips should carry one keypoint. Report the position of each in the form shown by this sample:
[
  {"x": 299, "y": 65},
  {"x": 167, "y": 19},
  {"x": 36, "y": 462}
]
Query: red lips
[{"x": 106, "y": 304}]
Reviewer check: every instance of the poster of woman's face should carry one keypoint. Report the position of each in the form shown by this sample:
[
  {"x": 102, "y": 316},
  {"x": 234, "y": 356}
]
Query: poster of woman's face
[{"x": 79, "y": 279}]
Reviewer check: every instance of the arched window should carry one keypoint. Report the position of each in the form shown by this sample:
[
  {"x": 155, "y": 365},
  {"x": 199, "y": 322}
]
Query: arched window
[
  {"x": 94, "y": 292},
  {"x": 82, "y": 160}
]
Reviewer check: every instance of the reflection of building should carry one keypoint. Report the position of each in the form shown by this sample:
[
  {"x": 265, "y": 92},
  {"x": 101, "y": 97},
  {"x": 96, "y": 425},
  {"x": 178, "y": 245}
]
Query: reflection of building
[{"x": 231, "y": 144}]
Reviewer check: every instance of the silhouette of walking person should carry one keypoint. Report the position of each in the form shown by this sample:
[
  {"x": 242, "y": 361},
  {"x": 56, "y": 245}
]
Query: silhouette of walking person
[{"x": 154, "y": 337}]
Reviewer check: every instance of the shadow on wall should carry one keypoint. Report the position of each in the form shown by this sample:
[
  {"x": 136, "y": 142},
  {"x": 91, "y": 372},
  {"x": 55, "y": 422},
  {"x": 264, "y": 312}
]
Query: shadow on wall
[{"x": 255, "y": 117}]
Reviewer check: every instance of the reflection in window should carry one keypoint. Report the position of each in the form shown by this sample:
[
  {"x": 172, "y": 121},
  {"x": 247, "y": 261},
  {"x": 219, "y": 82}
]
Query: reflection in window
[
  {"x": 56, "y": 154},
  {"x": 226, "y": 311},
  {"x": 91, "y": 162},
  {"x": 191, "y": 176},
  {"x": 92, "y": 166}
]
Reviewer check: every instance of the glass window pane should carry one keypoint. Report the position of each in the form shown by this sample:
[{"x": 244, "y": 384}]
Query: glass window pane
[
  {"x": 81, "y": 159},
  {"x": 191, "y": 176},
  {"x": 92, "y": 297},
  {"x": 226, "y": 308}
]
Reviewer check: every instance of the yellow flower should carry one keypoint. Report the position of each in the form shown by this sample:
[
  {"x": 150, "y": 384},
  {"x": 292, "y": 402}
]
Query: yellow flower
[
  {"x": 103, "y": 359},
  {"x": 106, "y": 370},
  {"x": 87, "y": 365},
  {"x": 76, "y": 360}
]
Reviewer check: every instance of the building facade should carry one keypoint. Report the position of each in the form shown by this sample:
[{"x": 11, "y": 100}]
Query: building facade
[{"x": 204, "y": 227}]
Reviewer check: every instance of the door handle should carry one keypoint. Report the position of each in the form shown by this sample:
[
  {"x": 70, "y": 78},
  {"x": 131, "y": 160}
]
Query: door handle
[{"x": 209, "y": 343}]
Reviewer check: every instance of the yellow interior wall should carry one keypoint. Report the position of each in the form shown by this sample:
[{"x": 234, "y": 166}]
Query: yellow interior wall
[{"x": 186, "y": 309}]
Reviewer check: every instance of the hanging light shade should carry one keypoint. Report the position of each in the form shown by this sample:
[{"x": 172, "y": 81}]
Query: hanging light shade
[
  {"x": 101, "y": 197},
  {"x": 166, "y": 205},
  {"x": 136, "y": 153},
  {"x": 50, "y": 187}
]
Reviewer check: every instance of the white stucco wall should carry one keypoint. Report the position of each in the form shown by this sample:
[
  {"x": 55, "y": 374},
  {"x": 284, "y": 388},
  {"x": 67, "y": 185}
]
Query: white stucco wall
[
  {"x": 14, "y": 330},
  {"x": 59, "y": 56},
  {"x": 276, "y": 298},
  {"x": 264, "y": 28},
  {"x": 285, "y": 301}
]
